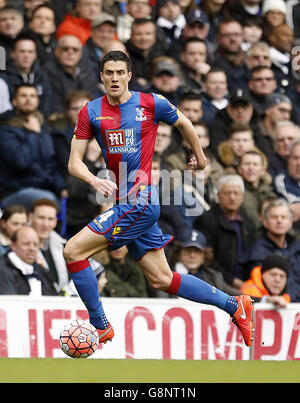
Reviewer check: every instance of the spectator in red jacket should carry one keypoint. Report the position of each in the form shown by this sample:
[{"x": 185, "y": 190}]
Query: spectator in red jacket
[{"x": 79, "y": 24}]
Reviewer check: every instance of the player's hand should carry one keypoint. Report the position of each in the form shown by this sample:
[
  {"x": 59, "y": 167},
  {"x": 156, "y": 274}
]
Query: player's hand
[
  {"x": 194, "y": 164},
  {"x": 104, "y": 186}
]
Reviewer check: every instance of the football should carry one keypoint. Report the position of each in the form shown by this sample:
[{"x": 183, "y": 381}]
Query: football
[{"x": 79, "y": 339}]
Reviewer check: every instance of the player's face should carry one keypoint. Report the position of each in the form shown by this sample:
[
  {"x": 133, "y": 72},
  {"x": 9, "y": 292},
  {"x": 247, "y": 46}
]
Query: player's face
[{"x": 115, "y": 78}]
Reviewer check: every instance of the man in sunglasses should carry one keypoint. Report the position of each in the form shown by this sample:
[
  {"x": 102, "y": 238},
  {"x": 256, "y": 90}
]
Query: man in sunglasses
[{"x": 67, "y": 72}]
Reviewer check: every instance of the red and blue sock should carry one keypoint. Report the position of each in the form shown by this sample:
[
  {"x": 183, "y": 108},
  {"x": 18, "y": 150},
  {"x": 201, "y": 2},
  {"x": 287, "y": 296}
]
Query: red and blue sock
[{"x": 193, "y": 288}]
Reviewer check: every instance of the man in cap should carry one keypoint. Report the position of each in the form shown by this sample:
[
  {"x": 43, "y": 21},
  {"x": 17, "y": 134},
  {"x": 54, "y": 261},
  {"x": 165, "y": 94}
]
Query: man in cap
[
  {"x": 238, "y": 110},
  {"x": 103, "y": 33},
  {"x": 191, "y": 256},
  {"x": 277, "y": 107},
  {"x": 197, "y": 26},
  {"x": 268, "y": 281},
  {"x": 165, "y": 80}
]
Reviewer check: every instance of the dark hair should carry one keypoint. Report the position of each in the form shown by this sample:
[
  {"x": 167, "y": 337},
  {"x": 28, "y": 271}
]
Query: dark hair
[
  {"x": 227, "y": 21},
  {"x": 115, "y": 56},
  {"x": 193, "y": 39},
  {"x": 13, "y": 209},
  {"x": 24, "y": 36},
  {"x": 190, "y": 95},
  {"x": 26, "y": 85},
  {"x": 43, "y": 5},
  {"x": 214, "y": 70},
  {"x": 258, "y": 69}
]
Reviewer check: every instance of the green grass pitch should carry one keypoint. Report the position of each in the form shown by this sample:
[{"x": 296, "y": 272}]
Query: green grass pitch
[{"x": 65, "y": 370}]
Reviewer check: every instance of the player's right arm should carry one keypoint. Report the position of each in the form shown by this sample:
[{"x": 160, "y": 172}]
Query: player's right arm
[{"x": 77, "y": 168}]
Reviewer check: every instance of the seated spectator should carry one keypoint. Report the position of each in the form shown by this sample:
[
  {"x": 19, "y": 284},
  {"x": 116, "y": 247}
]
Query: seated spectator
[
  {"x": 194, "y": 65},
  {"x": 142, "y": 47},
  {"x": 124, "y": 277},
  {"x": 197, "y": 26},
  {"x": 78, "y": 21},
  {"x": 20, "y": 273},
  {"x": 268, "y": 281},
  {"x": 196, "y": 192},
  {"x": 24, "y": 68},
  {"x": 227, "y": 227},
  {"x": 262, "y": 83},
  {"x": 240, "y": 141},
  {"x": 276, "y": 238},
  {"x": 191, "y": 106},
  {"x": 214, "y": 10},
  {"x": 252, "y": 30},
  {"x": 215, "y": 93},
  {"x": 230, "y": 55},
  {"x": 29, "y": 7},
  {"x": 103, "y": 33},
  {"x": 190, "y": 255},
  {"x": 11, "y": 220},
  {"x": 258, "y": 55},
  {"x": 68, "y": 72},
  {"x": 277, "y": 107},
  {"x": 134, "y": 9},
  {"x": 258, "y": 183},
  {"x": 281, "y": 40},
  {"x": 42, "y": 27},
  {"x": 43, "y": 218},
  {"x": 274, "y": 13},
  {"x": 28, "y": 168},
  {"x": 11, "y": 25},
  {"x": 238, "y": 110},
  {"x": 170, "y": 220},
  {"x": 286, "y": 134},
  {"x": 62, "y": 126},
  {"x": 170, "y": 19},
  {"x": 165, "y": 79}
]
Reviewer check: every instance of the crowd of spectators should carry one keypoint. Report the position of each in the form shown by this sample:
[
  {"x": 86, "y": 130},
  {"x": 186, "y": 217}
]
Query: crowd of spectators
[{"x": 231, "y": 66}]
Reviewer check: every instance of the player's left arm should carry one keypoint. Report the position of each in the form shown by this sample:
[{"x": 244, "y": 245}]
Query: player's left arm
[{"x": 186, "y": 128}]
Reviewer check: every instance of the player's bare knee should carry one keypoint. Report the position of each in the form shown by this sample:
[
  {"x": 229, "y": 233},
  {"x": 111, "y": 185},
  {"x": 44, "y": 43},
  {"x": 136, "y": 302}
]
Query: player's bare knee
[
  {"x": 69, "y": 252},
  {"x": 161, "y": 282}
]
